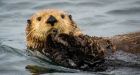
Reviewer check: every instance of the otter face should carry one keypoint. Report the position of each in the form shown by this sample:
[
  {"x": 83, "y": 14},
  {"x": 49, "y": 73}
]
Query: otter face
[{"x": 42, "y": 22}]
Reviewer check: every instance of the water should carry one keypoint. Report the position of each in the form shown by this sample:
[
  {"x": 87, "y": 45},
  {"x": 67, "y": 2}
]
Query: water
[{"x": 94, "y": 17}]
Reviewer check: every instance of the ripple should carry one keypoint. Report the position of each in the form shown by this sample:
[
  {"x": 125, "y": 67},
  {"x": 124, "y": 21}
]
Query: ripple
[
  {"x": 53, "y": 5},
  {"x": 130, "y": 22},
  {"x": 137, "y": 2},
  {"x": 125, "y": 11}
]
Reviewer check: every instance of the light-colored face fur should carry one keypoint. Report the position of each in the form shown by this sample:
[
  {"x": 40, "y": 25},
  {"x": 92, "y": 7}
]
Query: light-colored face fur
[{"x": 37, "y": 28}]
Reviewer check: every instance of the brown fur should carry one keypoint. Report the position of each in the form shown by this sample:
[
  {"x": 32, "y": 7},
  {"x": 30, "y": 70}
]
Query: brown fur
[
  {"x": 69, "y": 47},
  {"x": 81, "y": 52},
  {"x": 127, "y": 42}
]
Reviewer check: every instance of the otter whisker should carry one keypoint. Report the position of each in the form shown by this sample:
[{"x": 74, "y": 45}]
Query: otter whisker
[{"x": 30, "y": 32}]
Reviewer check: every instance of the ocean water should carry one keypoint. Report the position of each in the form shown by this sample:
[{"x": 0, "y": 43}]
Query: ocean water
[{"x": 94, "y": 17}]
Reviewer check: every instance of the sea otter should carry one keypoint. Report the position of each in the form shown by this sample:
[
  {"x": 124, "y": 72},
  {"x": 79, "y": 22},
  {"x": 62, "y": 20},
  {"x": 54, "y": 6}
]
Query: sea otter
[{"x": 54, "y": 34}]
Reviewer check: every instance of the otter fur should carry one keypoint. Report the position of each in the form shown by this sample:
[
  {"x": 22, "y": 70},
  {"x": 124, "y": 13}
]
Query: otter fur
[
  {"x": 64, "y": 43},
  {"x": 39, "y": 26}
]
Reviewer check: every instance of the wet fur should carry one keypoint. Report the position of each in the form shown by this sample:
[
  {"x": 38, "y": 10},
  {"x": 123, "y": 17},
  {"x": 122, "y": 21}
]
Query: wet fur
[
  {"x": 70, "y": 48},
  {"x": 79, "y": 52},
  {"x": 37, "y": 31}
]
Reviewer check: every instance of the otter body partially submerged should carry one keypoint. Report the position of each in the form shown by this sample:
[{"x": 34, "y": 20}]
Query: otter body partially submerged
[
  {"x": 54, "y": 34},
  {"x": 79, "y": 52}
]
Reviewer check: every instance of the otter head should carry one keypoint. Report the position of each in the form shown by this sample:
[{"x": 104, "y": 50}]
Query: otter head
[{"x": 41, "y": 24}]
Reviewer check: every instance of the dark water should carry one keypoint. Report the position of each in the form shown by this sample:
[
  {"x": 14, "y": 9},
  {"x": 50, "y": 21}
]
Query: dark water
[{"x": 94, "y": 17}]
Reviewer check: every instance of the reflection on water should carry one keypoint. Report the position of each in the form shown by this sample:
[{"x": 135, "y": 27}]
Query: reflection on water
[{"x": 94, "y": 17}]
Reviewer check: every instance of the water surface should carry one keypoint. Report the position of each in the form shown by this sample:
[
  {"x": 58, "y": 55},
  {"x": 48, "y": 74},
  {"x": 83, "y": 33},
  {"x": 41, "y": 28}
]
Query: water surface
[{"x": 94, "y": 17}]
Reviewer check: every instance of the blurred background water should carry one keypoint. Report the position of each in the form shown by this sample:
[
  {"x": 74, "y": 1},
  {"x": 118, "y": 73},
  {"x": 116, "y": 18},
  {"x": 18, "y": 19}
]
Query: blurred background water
[{"x": 94, "y": 17}]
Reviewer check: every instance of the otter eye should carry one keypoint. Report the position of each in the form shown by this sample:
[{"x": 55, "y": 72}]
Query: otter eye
[
  {"x": 63, "y": 16},
  {"x": 70, "y": 17},
  {"x": 39, "y": 18}
]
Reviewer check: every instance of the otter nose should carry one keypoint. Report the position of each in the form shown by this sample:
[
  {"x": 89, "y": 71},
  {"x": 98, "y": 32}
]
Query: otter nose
[{"x": 52, "y": 20}]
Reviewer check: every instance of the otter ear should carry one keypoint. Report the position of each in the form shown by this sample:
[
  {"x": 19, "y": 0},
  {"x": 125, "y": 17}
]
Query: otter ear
[
  {"x": 29, "y": 21},
  {"x": 70, "y": 17}
]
